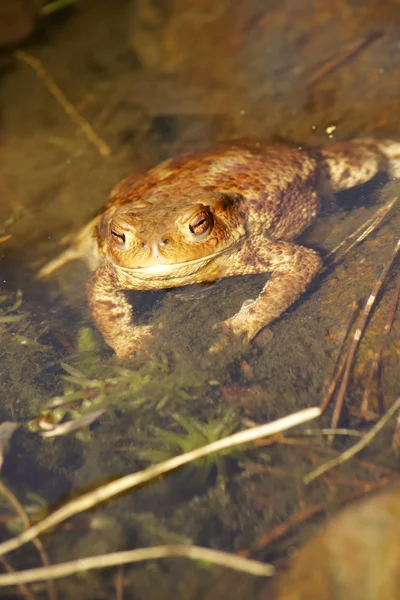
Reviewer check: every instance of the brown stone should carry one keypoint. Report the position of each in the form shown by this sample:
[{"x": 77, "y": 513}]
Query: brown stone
[
  {"x": 355, "y": 557},
  {"x": 17, "y": 20}
]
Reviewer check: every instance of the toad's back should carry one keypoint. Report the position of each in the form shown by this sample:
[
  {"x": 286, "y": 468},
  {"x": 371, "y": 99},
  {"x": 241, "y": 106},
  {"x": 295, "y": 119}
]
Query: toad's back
[{"x": 277, "y": 184}]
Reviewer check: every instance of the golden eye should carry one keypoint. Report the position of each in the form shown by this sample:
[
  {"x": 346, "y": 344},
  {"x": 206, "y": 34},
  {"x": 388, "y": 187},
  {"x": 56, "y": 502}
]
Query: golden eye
[
  {"x": 118, "y": 236},
  {"x": 200, "y": 224}
]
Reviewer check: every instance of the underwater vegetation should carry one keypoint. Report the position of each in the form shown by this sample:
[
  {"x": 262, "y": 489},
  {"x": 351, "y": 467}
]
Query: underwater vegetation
[{"x": 196, "y": 433}]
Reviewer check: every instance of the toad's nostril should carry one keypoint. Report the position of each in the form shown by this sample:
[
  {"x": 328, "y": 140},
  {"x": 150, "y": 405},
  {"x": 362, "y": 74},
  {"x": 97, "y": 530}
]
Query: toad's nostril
[{"x": 164, "y": 241}]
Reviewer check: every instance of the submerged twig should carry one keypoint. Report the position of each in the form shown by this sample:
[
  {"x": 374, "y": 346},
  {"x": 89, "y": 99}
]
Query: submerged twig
[
  {"x": 216, "y": 557},
  {"x": 353, "y": 450},
  {"x": 7, "y": 430},
  {"x": 396, "y": 436},
  {"x": 109, "y": 490},
  {"x": 23, "y": 589},
  {"x": 339, "y": 366},
  {"x": 119, "y": 584},
  {"x": 277, "y": 532},
  {"x": 52, "y": 7},
  {"x": 63, "y": 101},
  {"x": 362, "y": 232},
  {"x": 363, "y": 319},
  {"x": 19, "y": 509},
  {"x": 364, "y": 464},
  {"x": 364, "y": 408},
  {"x": 349, "y": 51},
  {"x": 329, "y": 431}
]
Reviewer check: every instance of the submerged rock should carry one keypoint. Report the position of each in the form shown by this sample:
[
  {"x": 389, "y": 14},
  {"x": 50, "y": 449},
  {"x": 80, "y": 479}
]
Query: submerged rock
[
  {"x": 355, "y": 557},
  {"x": 17, "y": 20}
]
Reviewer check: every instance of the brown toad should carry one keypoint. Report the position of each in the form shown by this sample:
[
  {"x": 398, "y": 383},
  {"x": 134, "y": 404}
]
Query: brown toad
[{"x": 234, "y": 210}]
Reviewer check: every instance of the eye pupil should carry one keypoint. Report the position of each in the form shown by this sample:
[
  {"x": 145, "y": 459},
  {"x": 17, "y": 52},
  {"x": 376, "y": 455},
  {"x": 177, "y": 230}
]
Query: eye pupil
[
  {"x": 200, "y": 224},
  {"x": 118, "y": 237}
]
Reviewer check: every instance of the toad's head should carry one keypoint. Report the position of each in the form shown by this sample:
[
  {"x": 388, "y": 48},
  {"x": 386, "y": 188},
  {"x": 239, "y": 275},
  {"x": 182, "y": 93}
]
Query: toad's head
[{"x": 157, "y": 236}]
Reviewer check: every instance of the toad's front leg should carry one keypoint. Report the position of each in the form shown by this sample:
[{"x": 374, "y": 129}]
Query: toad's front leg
[
  {"x": 292, "y": 268},
  {"x": 113, "y": 314}
]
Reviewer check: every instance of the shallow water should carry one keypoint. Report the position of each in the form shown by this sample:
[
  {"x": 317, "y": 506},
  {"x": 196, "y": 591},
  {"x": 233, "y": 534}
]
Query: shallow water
[{"x": 135, "y": 74}]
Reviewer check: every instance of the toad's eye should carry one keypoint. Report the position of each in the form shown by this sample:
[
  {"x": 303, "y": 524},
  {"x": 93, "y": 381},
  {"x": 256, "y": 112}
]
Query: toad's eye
[
  {"x": 118, "y": 236},
  {"x": 200, "y": 224}
]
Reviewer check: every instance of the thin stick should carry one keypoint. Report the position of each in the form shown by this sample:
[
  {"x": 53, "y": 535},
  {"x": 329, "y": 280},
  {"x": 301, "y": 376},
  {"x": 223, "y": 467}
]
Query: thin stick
[
  {"x": 363, "y": 231},
  {"x": 261, "y": 542},
  {"x": 19, "y": 509},
  {"x": 63, "y": 101},
  {"x": 216, "y": 557},
  {"x": 23, "y": 589},
  {"x": 358, "y": 334},
  {"x": 334, "y": 382},
  {"x": 364, "y": 408},
  {"x": 298, "y": 440},
  {"x": 376, "y": 469},
  {"x": 55, "y": 6},
  {"x": 107, "y": 491},
  {"x": 360, "y": 445},
  {"x": 339, "y": 369},
  {"x": 264, "y": 540},
  {"x": 119, "y": 584},
  {"x": 344, "y": 372},
  {"x": 329, "y": 431},
  {"x": 349, "y": 51},
  {"x": 396, "y": 436}
]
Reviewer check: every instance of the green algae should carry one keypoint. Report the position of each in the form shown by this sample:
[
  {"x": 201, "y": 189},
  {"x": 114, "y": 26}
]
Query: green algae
[{"x": 167, "y": 443}]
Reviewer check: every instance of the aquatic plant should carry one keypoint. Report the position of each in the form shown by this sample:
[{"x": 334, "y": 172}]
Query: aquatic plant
[
  {"x": 11, "y": 313},
  {"x": 148, "y": 384},
  {"x": 196, "y": 434},
  {"x": 35, "y": 507}
]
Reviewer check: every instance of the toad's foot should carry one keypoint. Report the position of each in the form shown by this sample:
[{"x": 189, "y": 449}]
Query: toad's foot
[
  {"x": 235, "y": 330},
  {"x": 243, "y": 325},
  {"x": 82, "y": 246},
  {"x": 135, "y": 342}
]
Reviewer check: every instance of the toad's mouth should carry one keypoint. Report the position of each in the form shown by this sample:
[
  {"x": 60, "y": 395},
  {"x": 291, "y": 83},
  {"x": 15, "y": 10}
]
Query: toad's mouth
[{"x": 177, "y": 269}]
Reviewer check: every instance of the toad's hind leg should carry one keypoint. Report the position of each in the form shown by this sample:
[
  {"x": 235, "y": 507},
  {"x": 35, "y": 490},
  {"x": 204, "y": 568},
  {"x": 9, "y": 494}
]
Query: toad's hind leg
[
  {"x": 81, "y": 246},
  {"x": 349, "y": 164}
]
